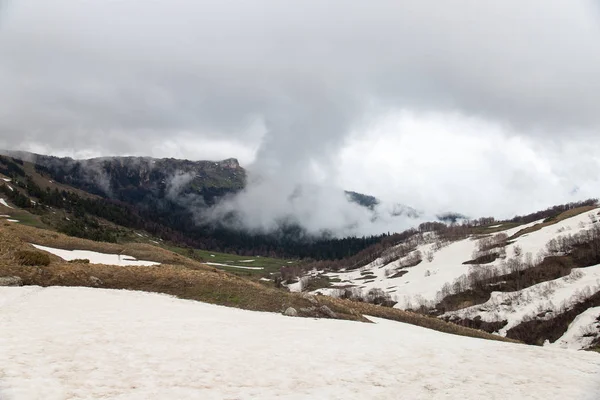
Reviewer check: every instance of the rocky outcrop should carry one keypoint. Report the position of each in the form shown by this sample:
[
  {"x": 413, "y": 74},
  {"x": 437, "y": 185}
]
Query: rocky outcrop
[
  {"x": 11, "y": 281},
  {"x": 290, "y": 312}
]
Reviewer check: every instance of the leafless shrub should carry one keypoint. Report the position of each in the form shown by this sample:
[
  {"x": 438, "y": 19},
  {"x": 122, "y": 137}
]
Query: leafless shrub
[
  {"x": 429, "y": 256},
  {"x": 517, "y": 251}
]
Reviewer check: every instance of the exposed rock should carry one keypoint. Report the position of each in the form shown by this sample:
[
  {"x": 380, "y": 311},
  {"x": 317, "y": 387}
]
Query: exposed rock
[
  {"x": 11, "y": 281},
  {"x": 311, "y": 298},
  {"x": 327, "y": 311},
  {"x": 96, "y": 281},
  {"x": 308, "y": 310},
  {"x": 290, "y": 312}
]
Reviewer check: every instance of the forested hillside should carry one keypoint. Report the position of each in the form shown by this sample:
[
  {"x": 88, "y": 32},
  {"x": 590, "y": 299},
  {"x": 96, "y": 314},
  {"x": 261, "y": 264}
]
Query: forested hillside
[{"x": 145, "y": 201}]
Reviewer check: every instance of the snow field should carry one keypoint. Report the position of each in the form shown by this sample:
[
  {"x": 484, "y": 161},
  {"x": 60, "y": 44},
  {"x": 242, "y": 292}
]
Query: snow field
[
  {"x": 95, "y": 257},
  {"x": 81, "y": 343},
  {"x": 420, "y": 284}
]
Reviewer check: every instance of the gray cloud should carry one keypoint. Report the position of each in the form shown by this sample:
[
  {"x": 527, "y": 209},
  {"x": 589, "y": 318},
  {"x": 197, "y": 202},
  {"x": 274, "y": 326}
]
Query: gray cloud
[{"x": 289, "y": 86}]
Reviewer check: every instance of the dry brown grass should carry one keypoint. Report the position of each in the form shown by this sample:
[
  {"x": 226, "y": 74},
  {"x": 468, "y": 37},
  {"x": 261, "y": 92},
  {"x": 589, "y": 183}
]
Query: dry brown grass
[
  {"x": 32, "y": 257},
  {"x": 140, "y": 251},
  {"x": 211, "y": 286},
  {"x": 187, "y": 279},
  {"x": 567, "y": 214}
]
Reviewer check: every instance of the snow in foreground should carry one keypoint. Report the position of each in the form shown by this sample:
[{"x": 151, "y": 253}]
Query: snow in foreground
[
  {"x": 96, "y": 258},
  {"x": 76, "y": 343}
]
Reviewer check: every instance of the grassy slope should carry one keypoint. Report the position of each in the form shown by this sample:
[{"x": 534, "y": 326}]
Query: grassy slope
[
  {"x": 182, "y": 277},
  {"x": 24, "y": 217}
]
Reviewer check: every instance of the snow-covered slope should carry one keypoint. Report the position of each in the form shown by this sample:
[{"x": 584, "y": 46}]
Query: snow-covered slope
[
  {"x": 534, "y": 242},
  {"x": 544, "y": 300},
  {"x": 421, "y": 284},
  {"x": 76, "y": 343},
  {"x": 95, "y": 257},
  {"x": 582, "y": 332}
]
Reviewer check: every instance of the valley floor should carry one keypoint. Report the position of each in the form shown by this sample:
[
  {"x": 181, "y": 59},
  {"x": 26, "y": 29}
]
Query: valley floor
[{"x": 75, "y": 343}]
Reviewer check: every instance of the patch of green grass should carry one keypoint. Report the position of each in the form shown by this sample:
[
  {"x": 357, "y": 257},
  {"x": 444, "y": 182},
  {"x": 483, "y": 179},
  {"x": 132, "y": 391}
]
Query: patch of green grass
[
  {"x": 27, "y": 218},
  {"x": 231, "y": 261}
]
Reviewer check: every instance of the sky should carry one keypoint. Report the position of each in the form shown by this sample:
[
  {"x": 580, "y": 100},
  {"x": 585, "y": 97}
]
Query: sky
[{"x": 484, "y": 108}]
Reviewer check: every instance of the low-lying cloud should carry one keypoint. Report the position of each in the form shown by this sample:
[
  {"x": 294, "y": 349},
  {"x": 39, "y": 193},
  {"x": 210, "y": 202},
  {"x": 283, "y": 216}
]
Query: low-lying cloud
[{"x": 496, "y": 104}]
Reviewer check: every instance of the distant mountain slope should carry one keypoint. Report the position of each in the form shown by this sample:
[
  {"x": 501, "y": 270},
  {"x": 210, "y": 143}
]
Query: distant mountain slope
[
  {"x": 362, "y": 199},
  {"x": 137, "y": 180},
  {"x": 37, "y": 198},
  {"x": 527, "y": 282}
]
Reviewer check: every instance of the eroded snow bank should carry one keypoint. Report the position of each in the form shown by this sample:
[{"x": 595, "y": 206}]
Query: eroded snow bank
[
  {"x": 544, "y": 300},
  {"x": 77, "y": 343},
  {"x": 584, "y": 329},
  {"x": 95, "y": 257}
]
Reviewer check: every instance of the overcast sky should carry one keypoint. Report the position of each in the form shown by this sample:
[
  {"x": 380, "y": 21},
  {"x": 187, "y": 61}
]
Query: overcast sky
[{"x": 487, "y": 108}]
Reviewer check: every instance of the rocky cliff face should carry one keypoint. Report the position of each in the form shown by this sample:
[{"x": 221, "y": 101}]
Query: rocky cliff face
[{"x": 142, "y": 179}]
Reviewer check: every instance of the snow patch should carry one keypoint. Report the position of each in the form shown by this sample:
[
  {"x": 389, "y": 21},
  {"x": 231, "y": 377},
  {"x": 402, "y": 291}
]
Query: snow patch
[
  {"x": 95, "y": 257},
  {"x": 231, "y": 266},
  {"x": 5, "y": 204}
]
